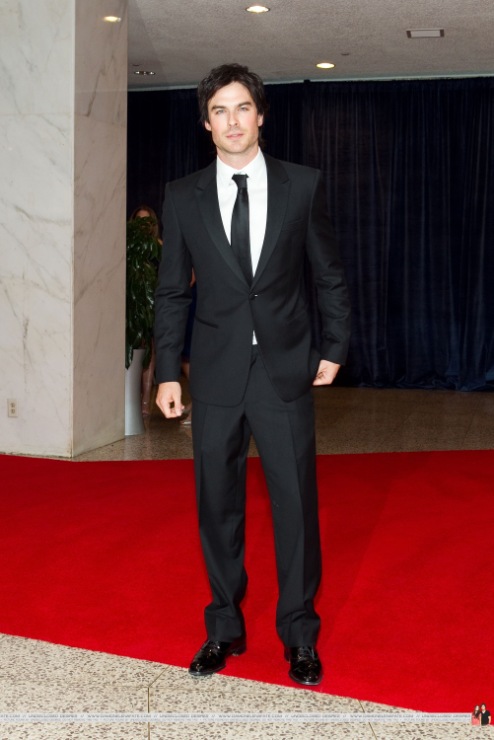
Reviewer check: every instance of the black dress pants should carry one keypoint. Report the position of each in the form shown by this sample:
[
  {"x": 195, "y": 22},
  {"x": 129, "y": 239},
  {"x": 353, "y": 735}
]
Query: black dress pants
[{"x": 285, "y": 438}]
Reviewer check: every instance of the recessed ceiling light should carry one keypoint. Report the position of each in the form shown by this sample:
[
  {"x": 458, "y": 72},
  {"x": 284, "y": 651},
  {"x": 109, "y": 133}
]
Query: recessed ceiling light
[
  {"x": 143, "y": 72},
  {"x": 257, "y": 9},
  {"x": 325, "y": 65},
  {"x": 112, "y": 19},
  {"x": 425, "y": 33}
]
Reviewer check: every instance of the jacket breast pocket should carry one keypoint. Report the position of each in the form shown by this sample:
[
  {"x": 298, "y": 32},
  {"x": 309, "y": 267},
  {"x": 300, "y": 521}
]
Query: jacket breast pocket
[
  {"x": 205, "y": 323},
  {"x": 293, "y": 227},
  {"x": 293, "y": 223}
]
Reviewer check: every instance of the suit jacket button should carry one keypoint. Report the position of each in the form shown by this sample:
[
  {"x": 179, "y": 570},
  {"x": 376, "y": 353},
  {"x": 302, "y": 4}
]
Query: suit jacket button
[{"x": 252, "y": 296}]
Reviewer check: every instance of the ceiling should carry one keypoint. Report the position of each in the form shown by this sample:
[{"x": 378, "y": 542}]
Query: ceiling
[{"x": 181, "y": 40}]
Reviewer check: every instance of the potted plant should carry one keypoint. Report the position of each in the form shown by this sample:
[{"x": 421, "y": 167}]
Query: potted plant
[{"x": 143, "y": 254}]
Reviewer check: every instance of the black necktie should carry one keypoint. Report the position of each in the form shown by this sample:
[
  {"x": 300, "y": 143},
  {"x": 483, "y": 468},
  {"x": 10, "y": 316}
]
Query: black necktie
[{"x": 240, "y": 239}]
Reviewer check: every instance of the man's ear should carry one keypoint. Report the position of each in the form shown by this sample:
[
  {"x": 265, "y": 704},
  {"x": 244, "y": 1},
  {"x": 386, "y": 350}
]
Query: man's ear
[
  {"x": 260, "y": 119},
  {"x": 207, "y": 125}
]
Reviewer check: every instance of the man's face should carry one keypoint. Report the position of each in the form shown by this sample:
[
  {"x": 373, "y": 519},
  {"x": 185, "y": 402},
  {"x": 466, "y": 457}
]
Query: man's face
[{"x": 234, "y": 124}]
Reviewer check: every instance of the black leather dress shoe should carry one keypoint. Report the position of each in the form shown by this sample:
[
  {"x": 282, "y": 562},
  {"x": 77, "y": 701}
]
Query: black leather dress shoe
[
  {"x": 305, "y": 666},
  {"x": 212, "y": 656}
]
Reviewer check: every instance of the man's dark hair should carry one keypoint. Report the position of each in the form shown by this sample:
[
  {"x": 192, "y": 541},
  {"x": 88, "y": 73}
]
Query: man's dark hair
[{"x": 224, "y": 75}]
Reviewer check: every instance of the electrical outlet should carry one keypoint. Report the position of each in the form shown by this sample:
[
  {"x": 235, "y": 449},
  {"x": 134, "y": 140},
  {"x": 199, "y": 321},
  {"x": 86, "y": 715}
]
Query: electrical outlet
[{"x": 12, "y": 408}]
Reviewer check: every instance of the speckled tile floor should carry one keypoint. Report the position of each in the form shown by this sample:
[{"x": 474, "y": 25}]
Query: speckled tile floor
[
  {"x": 37, "y": 677},
  {"x": 348, "y": 420}
]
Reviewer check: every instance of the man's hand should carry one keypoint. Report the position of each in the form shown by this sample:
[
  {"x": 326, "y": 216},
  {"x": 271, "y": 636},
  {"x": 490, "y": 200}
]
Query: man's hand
[
  {"x": 326, "y": 373},
  {"x": 169, "y": 399}
]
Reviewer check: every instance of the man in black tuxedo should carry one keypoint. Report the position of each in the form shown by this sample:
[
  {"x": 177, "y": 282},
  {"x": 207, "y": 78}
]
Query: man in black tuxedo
[{"x": 252, "y": 358}]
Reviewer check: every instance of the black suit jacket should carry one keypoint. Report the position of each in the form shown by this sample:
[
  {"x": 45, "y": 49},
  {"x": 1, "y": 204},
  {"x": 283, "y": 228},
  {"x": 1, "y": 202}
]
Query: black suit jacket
[{"x": 228, "y": 309}]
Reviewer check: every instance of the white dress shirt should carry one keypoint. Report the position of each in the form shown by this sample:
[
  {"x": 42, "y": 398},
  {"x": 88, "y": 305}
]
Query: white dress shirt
[{"x": 257, "y": 187}]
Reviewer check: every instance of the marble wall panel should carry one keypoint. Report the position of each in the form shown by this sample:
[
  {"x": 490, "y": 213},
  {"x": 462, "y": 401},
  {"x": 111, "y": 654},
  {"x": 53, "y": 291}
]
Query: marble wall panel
[
  {"x": 62, "y": 224},
  {"x": 100, "y": 198},
  {"x": 36, "y": 56},
  {"x": 36, "y": 225}
]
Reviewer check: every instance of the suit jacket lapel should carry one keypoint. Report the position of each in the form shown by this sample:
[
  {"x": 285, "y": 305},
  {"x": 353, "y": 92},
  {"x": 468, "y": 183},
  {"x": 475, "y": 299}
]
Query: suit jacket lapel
[
  {"x": 207, "y": 196},
  {"x": 278, "y": 191}
]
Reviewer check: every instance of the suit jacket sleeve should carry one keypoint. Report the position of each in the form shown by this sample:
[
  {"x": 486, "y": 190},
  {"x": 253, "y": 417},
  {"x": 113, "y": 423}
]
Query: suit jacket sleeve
[
  {"x": 173, "y": 295},
  {"x": 329, "y": 279}
]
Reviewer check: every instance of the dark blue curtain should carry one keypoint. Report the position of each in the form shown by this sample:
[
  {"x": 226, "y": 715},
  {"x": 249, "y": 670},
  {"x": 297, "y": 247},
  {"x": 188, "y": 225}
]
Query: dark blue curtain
[{"x": 410, "y": 183}]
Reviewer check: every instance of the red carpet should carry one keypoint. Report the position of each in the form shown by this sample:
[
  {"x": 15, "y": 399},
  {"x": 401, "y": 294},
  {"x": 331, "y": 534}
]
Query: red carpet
[{"x": 105, "y": 556}]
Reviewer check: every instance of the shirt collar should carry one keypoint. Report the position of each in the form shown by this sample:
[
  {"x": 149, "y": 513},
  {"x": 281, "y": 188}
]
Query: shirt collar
[{"x": 224, "y": 172}]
